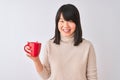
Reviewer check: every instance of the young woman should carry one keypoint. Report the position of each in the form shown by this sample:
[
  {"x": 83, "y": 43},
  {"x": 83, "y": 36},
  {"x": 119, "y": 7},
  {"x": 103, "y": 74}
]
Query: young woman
[{"x": 67, "y": 55}]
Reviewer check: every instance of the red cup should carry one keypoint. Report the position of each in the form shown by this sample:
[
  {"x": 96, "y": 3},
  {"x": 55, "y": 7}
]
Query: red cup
[{"x": 33, "y": 48}]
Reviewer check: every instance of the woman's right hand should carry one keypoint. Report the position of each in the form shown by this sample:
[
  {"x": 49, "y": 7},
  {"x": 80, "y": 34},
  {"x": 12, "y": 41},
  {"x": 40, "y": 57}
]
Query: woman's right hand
[{"x": 33, "y": 58}]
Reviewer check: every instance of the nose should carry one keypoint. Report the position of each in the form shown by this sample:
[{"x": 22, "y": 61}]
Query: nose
[{"x": 66, "y": 24}]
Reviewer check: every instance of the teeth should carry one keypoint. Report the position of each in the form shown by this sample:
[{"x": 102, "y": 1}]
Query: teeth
[{"x": 66, "y": 30}]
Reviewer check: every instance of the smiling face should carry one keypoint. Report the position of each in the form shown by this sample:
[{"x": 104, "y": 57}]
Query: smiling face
[{"x": 66, "y": 28}]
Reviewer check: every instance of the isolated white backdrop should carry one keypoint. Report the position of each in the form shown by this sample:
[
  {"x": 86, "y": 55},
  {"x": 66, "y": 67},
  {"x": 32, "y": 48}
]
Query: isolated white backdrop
[{"x": 33, "y": 20}]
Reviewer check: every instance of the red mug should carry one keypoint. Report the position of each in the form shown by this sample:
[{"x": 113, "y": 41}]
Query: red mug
[{"x": 33, "y": 48}]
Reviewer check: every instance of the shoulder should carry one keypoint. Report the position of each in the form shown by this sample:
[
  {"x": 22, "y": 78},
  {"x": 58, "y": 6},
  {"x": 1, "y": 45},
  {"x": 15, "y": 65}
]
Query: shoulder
[
  {"x": 87, "y": 43},
  {"x": 49, "y": 42}
]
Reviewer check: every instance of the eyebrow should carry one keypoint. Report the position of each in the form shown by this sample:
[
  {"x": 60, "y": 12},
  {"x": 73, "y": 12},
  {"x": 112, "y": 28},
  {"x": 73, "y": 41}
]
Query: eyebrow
[{"x": 61, "y": 18}]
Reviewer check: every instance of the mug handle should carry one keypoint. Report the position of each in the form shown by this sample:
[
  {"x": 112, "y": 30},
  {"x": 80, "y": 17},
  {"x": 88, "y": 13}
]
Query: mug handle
[{"x": 27, "y": 48}]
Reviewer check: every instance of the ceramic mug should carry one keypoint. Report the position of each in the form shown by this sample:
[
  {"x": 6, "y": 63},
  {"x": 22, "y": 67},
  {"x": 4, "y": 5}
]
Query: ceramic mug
[{"x": 33, "y": 48}]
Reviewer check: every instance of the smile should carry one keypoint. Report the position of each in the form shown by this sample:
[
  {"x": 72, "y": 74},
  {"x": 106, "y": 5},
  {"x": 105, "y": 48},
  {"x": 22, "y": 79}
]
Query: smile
[{"x": 66, "y": 30}]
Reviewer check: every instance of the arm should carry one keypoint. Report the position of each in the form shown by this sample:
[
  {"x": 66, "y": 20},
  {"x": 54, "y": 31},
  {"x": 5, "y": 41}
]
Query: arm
[
  {"x": 42, "y": 69},
  {"x": 91, "y": 65},
  {"x": 45, "y": 74},
  {"x": 37, "y": 62},
  {"x": 38, "y": 65}
]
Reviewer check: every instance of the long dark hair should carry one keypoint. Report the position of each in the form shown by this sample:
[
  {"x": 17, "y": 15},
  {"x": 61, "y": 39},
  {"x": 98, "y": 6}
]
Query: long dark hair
[{"x": 69, "y": 12}]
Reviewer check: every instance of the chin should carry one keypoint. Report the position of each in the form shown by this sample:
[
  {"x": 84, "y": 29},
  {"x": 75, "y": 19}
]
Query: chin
[{"x": 66, "y": 35}]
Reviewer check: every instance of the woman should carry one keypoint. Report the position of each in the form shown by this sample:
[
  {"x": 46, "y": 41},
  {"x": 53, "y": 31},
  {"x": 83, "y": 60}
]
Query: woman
[{"x": 67, "y": 55}]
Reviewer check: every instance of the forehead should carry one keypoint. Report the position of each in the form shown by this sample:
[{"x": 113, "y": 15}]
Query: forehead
[{"x": 61, "y": 16}]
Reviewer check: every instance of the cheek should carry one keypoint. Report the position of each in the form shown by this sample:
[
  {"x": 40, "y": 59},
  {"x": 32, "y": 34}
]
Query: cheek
[
  {"x": 73, "y": 28},
  {"x": 59, "y": 26}
]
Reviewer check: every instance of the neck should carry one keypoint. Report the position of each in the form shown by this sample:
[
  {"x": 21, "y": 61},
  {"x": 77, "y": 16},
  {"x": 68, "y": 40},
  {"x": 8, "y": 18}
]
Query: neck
[{"x": 67, "y": 38}]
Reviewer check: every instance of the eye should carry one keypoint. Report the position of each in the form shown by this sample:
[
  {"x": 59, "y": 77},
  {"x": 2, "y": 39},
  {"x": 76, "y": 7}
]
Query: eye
[
  {"x": 61, "y": 21},
  {"x": 71, "y": 21}
]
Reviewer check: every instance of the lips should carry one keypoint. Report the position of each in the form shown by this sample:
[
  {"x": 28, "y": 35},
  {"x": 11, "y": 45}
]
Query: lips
[{"x": 66, "y": 30}]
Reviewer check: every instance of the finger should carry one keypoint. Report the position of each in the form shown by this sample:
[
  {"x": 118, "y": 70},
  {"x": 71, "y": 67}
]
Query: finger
[{"x": 29, "y": 55}]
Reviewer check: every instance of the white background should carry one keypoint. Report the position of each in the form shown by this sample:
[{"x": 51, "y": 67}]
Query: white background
[{"x": 34, "y": 20}]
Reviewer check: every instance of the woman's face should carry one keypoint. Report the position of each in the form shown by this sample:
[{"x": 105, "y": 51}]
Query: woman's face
[{"x": 66, "y": 28}]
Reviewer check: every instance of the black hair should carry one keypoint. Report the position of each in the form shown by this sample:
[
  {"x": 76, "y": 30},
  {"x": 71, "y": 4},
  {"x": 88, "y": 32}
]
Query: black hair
[{"x": 69, "y": 12}]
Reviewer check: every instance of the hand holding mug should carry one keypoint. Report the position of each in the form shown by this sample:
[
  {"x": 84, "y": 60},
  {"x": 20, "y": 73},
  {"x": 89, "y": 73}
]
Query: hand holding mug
[{"x": 33, "y": 48}]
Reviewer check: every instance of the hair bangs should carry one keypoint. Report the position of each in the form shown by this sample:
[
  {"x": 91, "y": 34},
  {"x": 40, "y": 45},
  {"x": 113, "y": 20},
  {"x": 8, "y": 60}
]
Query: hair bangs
[{"x": 68, "y": 14}]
